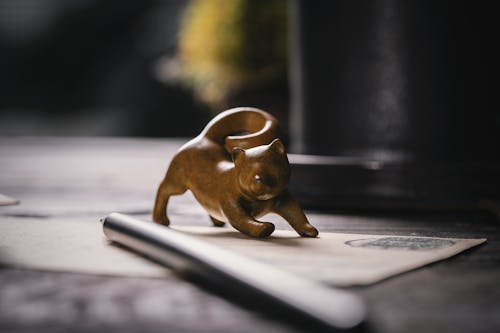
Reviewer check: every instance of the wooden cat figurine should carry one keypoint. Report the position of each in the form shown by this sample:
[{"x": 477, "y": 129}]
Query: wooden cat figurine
[{"x": 238, "y": 171}]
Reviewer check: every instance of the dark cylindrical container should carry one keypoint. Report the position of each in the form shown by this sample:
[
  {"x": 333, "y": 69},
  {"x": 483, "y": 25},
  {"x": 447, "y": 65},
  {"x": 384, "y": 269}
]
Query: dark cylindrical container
[{"x": 404, "y": 84}]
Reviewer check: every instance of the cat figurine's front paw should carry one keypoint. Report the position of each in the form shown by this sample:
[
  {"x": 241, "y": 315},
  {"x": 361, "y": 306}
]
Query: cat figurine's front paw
[
  {"x": 264, "y": 230},
  {"x": 308, "y": 230}
]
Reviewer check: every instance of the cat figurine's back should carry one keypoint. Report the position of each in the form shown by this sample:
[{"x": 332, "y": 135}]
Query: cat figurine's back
[{"x": 238, "y": 170}]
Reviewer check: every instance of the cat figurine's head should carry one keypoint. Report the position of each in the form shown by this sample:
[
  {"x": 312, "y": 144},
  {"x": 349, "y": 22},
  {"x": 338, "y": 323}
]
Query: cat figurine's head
[{"x": 264, "y": 171}]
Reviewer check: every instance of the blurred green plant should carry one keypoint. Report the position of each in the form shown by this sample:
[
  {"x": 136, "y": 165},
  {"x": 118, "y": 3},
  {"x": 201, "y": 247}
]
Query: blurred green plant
[{"x": 230, "y": 45}]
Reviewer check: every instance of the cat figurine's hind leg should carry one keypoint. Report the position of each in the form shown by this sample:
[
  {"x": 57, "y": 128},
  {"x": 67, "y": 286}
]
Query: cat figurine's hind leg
[{"x": 172, "y": 184}]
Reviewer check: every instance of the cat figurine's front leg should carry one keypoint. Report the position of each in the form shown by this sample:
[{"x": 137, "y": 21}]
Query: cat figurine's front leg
[
  {"x": 241, "y": 220},
  {"x": 288, "y": 208}
]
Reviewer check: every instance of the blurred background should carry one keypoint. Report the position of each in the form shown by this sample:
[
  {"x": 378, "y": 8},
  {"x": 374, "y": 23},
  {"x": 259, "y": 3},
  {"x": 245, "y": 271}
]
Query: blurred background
[
  {"x": 137, "y": 68},
  {"x": 397, "y": 95},
  {"x": 163, "y": 68}
]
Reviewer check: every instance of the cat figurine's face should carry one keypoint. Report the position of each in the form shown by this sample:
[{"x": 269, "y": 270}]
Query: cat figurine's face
[{"x": 263, "y": 172}]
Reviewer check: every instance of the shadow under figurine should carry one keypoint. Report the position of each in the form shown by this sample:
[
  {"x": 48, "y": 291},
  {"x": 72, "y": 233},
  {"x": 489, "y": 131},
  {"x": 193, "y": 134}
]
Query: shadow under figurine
[{"x": 238, "y": 170}]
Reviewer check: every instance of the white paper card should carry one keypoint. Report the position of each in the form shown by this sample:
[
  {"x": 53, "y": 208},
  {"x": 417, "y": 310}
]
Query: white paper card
[{"x": 338, "y": 259}]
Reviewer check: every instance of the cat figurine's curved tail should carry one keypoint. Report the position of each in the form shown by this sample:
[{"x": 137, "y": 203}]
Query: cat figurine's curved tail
[
  {"x": 242, "y": 127},
  {"x": 238, "y": 170}
]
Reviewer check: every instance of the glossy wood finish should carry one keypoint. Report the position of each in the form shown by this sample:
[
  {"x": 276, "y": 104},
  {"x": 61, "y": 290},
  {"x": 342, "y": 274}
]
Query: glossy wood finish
[{"x": 238, "y": 170}]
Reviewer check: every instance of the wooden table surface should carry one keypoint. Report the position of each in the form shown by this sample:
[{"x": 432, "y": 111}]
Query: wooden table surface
[{"x": 86, "y": 178}]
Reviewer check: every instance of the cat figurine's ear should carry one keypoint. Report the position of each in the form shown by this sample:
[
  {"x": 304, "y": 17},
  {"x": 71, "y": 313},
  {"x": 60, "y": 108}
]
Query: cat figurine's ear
[
  {"x": 278, "y": 146},
  {"x": 237, "y": 151}
]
